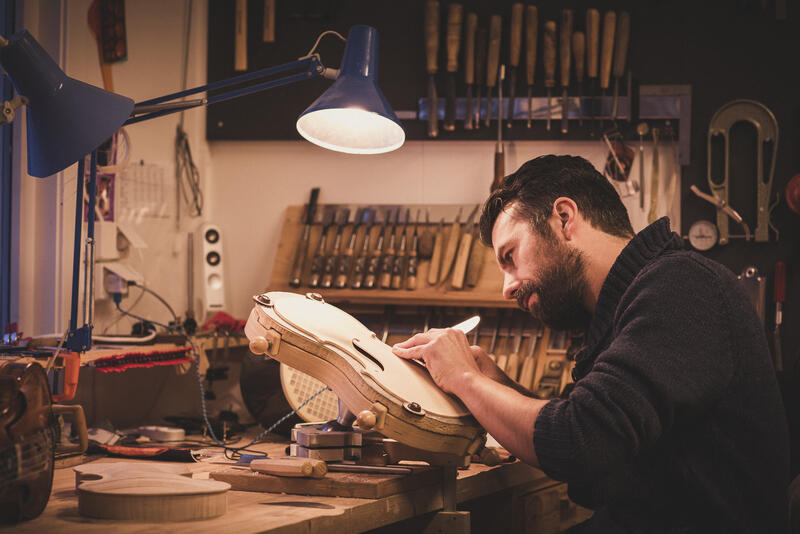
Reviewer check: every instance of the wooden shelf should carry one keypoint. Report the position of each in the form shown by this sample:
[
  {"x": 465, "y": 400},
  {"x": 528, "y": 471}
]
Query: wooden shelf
[{"x": 487, "y": 293}]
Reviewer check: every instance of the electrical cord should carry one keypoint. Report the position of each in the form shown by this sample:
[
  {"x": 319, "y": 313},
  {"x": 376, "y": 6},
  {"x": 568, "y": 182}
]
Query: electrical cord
[{"x": 161, "y": 299}]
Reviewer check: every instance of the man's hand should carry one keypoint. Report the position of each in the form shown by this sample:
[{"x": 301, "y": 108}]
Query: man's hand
[{"x": 447, "y": 355}]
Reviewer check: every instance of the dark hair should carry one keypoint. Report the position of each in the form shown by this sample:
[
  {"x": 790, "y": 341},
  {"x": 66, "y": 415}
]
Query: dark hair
[{"x": 538, "y": 183}]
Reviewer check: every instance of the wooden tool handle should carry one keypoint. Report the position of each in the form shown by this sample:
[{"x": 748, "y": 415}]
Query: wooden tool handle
[
  {"x": 565, "y": 46},
  {"x": 621, "y": 40},
  {"x": 240, "y": 51},
  {"x": 398, "y": 269},
  {"x": 455, "y": 17},
  {"x": 512, "y": 366},
  {"x": 373, "y": 265},
  {"x": 290, "y": 466},
  {"x": 493, "y": 59},
  {"x": 450, "y": 250},
  {"x": 477, "y": 257},
  {"x": 481, "y": 49},
  {"x": 460, "y": 267},
  {"x": 359, "y": 268},
  {"x": 316, "y": 269},
  {"x": 300, "y": 257},
  {"x": 436, "y": 259},
  {"x": 579, "y": 53},
  {"x": 411, "y": 276},
  {"x": 549, "y": 53},
  {"x": 343, "y": 269},
  {"x": 387, "y": 264},
  {"x": 432, "y": 35},
  {"x": 499, "y": 168},
  {"x": 328, "y": 270},
  {"x": 515, "y": 42},
  {"x": 469, "y": 48},
  {"x": 526, "y": 374},
  {"x": 592, "y": 41},
  {"x": 531, "y": 37},
  {"x": 609, "y": 29}
]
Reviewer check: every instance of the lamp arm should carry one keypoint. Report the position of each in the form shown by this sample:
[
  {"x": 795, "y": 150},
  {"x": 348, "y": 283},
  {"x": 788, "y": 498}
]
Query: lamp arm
[{"x": 157, "y": 107}]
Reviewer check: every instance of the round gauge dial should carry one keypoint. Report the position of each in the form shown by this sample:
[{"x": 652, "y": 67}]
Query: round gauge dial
[{"x": 703, "y": 235}]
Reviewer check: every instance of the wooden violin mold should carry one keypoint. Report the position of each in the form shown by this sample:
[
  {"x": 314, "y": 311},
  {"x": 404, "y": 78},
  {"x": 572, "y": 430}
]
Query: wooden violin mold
[{"x": 330, "y": 345}]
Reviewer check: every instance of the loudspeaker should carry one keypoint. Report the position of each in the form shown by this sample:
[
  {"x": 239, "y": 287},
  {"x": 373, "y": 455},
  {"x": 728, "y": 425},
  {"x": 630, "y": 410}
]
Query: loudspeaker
[{"x": 211, "y": 279}]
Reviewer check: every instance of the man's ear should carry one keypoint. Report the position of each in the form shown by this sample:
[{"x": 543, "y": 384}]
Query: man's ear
[{"x": 565, "y": 212}]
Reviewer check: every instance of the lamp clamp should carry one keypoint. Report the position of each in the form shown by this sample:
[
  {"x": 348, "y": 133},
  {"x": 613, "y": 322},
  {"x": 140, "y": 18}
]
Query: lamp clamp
[{"x": 9, "y": 107}]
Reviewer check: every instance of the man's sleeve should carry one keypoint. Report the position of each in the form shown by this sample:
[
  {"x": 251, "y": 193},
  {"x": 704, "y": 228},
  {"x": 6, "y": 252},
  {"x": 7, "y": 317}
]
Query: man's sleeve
[{"x": 670, "y": 357}]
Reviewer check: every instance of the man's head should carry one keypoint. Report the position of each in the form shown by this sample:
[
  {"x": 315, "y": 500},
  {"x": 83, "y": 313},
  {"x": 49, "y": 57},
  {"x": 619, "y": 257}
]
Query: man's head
[{"x": 531, "y": 222}]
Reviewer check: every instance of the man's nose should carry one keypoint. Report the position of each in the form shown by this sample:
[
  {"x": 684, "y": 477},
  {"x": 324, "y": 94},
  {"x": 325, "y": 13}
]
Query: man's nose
[{"x": 510, "y": 284}]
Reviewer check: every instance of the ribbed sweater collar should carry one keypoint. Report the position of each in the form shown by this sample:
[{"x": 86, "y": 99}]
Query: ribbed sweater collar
[{"x": 645, "y": 246}]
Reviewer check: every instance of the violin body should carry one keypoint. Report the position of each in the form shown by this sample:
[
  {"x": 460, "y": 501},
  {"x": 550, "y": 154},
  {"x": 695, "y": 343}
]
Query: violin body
[
  {"x": 387, "y": 394},
  {"x": 28, "y": 433}
]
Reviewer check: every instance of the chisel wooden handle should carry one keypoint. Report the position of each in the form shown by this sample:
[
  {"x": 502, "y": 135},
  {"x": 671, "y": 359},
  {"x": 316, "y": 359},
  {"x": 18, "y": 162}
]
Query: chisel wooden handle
[
  {"x": 477, "y": 257},
  {"x": 579, "y": 54},
  {"x": 387, "y": 265},
  {"x": 565, "y": 46},
  {"x": 290, "y": 466},
  {"x": 359, "y": 268},
  {"x": 469, "y": 48},
  {"x": 549, "y": 53},
  {"x": 318, "y": 261},
  {"x": 462, "y": 258},
  {"x": 621, "y": 39},
  {"x": 515, "y": 41},
  {"x": 436, "y": 258},
  {"x": 373, "y": 265},
  {"x": 450, "y": 250},
  {"x": 455, "y": 17},
  {"x": 411, "y": 273},
  {"x": 493, "y": 58},
  {"x": 609, "y": 29},
  {"x": 240, "y": 49},
  {"x": 328, "y": 269},
  {"x": 592, "y": 41},
  {"x": 399, "y": 267},
  {"x": 512, "y": 366},
  {"x": 531, "y": 37},
  {"x": 344, "y": 267},
  {"x": 432, "y": 35}
]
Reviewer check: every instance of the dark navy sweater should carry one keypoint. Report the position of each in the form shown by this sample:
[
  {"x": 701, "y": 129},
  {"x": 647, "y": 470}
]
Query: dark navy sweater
[{"x": 675, "y": 422}]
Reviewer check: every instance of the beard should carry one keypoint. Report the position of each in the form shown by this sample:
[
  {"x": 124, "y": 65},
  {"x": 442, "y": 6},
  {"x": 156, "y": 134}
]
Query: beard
[{"x": 560, "y": 286}]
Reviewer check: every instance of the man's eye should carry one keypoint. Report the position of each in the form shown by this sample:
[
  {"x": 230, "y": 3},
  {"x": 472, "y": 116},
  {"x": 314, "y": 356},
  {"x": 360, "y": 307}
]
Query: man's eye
[{"x": 507, "y": 258}]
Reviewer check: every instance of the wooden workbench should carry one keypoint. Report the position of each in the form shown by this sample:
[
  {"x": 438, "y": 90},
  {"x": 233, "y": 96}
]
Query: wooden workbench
[{"x": 277, "y": 512}]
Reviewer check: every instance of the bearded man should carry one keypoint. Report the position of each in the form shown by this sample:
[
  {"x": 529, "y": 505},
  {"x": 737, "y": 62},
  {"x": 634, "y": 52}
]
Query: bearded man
[{"x": 675, "y": 422}]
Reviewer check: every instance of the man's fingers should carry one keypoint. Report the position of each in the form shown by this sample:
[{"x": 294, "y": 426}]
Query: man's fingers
[
  {"x": 407, "y": 353},
  {"x": 418, "y": 339}
]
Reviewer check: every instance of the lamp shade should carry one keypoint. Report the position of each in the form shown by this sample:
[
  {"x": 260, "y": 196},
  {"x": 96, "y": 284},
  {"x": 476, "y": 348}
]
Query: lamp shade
[
  {"x": 67, "y": 119},
  {"x": 353, "y": 115}
]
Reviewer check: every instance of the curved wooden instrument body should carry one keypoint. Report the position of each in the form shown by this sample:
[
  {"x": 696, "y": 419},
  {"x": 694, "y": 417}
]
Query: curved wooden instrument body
[
  {"x": 27, "y": 439},
  {"x": 140, "y": 491},
  {"x": 390, "y": 395}
]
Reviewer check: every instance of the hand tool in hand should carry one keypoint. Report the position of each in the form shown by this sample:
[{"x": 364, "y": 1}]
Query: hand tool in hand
[
  {"x": 468, "y": 325},
  {"x": 780, "y": 297},
  {"x": 450, "y": 248},
  {"x": 464, "y": 248},
  {"x": 431, "y": 54},
  {"x": 318, "y": 261},
  {"x": 387, "y": 263},
  {"x": 477, "y": 257},
  {"x": 642, "y": 129},
  {"x": 290, "y": 466},
  {"x": 499, "y": 154},
  {"x": 492, "y": 61},
  {"x": 470, "y": 27},
  {"x": 654, "y": 179},
  {"x": 329, "y": 268},
  {"x": 609, "y": 30},
  {"x": 436, "y": 255},
  {"x": 529, "y": 362},
  {"x": 579, "y": 55},
  {"x": 374, "y": 261},
  {"x": 531, "y": 37},
  {"x": 399, "y": 267},
  {"x": 512, "y": 365},
  {"x": 455, "y": 16},
  {"x": 593, "y": 50},
  {"x": 481, "y": 50},
  {"x": 621, "y": 40},
  {"x": 360, "y": 264},
  {"x": 515, "y": 44},
  {"x": 302, "y": 247},
  {"x": 549, "y": 59},
  {"x": 565, "y": 49},
  {"x": 346, "y": 259},
  {"x": 413, "y": 258}
]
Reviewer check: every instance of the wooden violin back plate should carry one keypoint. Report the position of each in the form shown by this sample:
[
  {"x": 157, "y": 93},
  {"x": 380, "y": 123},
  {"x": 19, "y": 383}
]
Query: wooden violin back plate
[
  {"x": 147, "y": 492},
  {"x": 395, "y": 397}
]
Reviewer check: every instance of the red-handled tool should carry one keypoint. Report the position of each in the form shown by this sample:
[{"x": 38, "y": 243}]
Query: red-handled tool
[{"x": 780, "y": 296}]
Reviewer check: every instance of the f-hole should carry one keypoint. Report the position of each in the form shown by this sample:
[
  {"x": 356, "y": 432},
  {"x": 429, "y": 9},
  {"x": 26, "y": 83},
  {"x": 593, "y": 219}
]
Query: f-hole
[{"x": 368, "y": 355}]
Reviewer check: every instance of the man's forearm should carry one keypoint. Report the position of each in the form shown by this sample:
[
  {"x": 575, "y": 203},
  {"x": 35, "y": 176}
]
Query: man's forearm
[{"x": 507, "y": 414}]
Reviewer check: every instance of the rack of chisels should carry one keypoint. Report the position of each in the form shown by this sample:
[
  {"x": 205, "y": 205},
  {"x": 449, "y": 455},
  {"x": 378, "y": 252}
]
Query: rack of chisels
[{"x": 409, "y": 250}]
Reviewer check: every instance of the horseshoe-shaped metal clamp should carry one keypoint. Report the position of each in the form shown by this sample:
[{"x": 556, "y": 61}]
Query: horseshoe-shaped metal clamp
[{"x": 767, "y": 132}]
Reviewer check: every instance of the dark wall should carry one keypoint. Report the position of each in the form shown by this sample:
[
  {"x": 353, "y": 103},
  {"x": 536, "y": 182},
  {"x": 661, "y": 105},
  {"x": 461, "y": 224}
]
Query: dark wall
[{"x": 724, "y": 49}]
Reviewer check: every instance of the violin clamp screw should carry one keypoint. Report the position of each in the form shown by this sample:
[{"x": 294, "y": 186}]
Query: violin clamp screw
[
  {"x": 263, "y": 299},
  {"x": 414, "y": 408},
  {"x": 315, "y": 296}
]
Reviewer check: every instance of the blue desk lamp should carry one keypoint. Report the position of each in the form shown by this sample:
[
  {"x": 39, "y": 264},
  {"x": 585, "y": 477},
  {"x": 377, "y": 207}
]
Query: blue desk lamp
[{"x": 68, "y": 119}]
